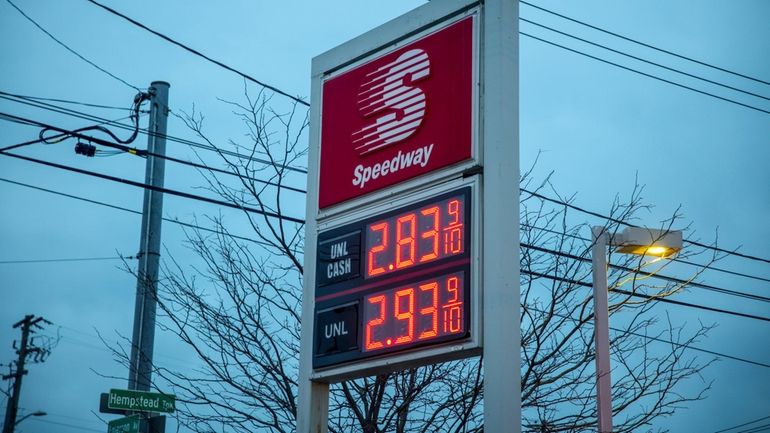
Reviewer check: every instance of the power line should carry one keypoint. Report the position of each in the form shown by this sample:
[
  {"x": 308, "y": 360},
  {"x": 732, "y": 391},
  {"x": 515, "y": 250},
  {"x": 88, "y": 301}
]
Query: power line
[
  {"x": 618, "y": 221},
  {"x": 662, "y": 340},
  {"x": 655, "y": 77},
  {"x": 77, "y": 427},
  {"x": 70, "y": 49},
  {"x": 645, "y": 60},
  {"x": 652, "y": 274},
  {"x": 68, "y": 101},
  {"x": 647, "y": 297},
  {"x": 742, "y": 425},
  {"x": 674, "y": 259},
  {"x": 80, "y": 259},
  {"x": 134, "y": 151},
  {"x": 159, "y": 189},
  {"x": 756, "y": 429},
  {"x": 174, "y": 221},
  {"x": 199, "y": 54},
  {"x": 543, "y": 197},
  {"x": 645, "y": 44},
  {"x": 86, "y": 116}
]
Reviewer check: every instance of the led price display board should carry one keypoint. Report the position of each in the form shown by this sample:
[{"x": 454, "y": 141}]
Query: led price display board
[{"x": 395, "y": 281}]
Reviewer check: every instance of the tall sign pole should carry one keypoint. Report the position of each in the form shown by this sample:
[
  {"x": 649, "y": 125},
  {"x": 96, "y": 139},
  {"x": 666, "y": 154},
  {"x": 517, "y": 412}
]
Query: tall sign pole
[
  {"x": 500, "y": 126},
  {"x": 140, "y": 368}
]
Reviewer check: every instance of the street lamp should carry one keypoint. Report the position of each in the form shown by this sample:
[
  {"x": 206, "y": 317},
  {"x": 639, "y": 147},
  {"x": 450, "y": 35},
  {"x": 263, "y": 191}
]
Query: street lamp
[
  {"x": 38, "y": 413},
  {"x": 633, "y": 240}
]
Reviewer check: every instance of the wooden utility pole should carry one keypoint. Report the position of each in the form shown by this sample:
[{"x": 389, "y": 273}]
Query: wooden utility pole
[{"x": 12, "y": 409}]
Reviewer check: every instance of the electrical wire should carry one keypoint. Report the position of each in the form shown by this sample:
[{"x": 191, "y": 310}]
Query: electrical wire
[
  {"x": 86, "y": 116},
  {"x": 756, "y": 429},
  {"x": 674, "y": 259},
  {"x": 653, "y": 275},
  {"x": 159, "y": 189},
  {"x": 80, "y": 259},
  {"x": 655, "y": 77},
  {"x": 543, "y": 197},
  {"x": 624, "y": 223},
  {"x": 662, "y": 340},
  {"x": 647, "y": 297},
  {"x": 77, "y": 427},
  {"x": 645, "y": 60},
  {"x": 139, "y": 152},
  {"x": 70, "y": 49},
  {"x": 644, "y": 44},
  {"x": 569, "y": 281},
  {"x": 211, "y": 148},
  {"x": 68, "y": 101},
  {"x": 136, "y": 212},
  {"x": 199, "y": 54},
  {"x": 742, "y": 425}
]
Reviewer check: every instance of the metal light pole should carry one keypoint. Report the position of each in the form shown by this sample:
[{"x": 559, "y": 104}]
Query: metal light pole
[
  {"x": 601, "y": 329},
  {"x": 633, "y": 240}
]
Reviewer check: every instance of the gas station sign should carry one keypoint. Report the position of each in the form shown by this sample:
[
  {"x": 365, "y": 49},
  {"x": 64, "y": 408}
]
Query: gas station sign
[
  {"x": 399, "y": 115},
  {"x": 411, "y": 258}
]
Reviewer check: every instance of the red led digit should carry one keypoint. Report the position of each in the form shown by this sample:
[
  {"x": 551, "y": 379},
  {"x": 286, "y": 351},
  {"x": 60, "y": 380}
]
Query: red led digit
[
  {"x": 431, "y": 310},
  {"x": 453, "y": 208},
  {"x": 369, "y": 343},
  {"x": 452, "y": 284},
  {"x": 453, "y": 240},
  {"x": 407, "y": 315},
  {"x": 383, "y": 229},
  {"x": 453, "y": 319},
  {"x": 453, "y": 307},
  {"x": 432, "y": 234},
  {"x": 405, "y": 240}
]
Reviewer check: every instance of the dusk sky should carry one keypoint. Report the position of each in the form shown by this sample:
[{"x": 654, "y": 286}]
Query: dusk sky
[{"x": 599, "y": 128}]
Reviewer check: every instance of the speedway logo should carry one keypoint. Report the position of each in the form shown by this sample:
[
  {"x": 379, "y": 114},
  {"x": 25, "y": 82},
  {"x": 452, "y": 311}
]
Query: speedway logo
[
  {"x": 389, "y": 95},
  {"x": 398, "y": 115}
]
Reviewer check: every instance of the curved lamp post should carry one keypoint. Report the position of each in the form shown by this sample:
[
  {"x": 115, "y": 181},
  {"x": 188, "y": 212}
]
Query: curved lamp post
[
  {"x": 633, "y": 240},
  {"x": 38, "y": 413}
]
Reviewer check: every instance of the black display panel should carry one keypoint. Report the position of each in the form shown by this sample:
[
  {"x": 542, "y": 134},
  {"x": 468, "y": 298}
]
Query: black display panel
[{"x": 394, "y": 282}]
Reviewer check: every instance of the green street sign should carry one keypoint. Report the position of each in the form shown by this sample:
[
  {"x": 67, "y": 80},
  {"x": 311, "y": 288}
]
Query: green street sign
[
  {"x": 140, "y": 401},
  {"x": 129, "y": 424}
]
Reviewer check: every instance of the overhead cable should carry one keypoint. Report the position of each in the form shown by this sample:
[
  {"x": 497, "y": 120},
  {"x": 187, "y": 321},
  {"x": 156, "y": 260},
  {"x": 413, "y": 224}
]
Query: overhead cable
[
  {"x": 655, "y": 77},
  {"x": 199, "y": 54},
  {"x": 159, "y": 189},
  {"x": 136, "y": 212},
  {"x": 627, "y": 224},
  {"x": 717, "y": 83},
  {"x": 617, "y": 35},
  {"x": 662, "y": 340},
  {"x": 648, "y": 297},
  {"x": 658, "y": 276},
  {"x": 71, "y": 50},
  {"x": 86, "y": 116}
]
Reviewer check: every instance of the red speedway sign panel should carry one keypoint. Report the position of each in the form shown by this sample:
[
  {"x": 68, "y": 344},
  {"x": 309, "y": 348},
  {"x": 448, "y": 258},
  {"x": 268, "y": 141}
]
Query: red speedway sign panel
[{"x": 401, "y": 115}]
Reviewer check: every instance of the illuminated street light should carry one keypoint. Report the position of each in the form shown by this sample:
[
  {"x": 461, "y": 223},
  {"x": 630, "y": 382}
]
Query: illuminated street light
[{"x": 633, "y": 240}]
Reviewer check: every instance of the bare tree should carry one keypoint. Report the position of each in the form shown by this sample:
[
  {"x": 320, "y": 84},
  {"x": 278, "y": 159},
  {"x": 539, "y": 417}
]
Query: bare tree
[{"x": 240, "y": 314}]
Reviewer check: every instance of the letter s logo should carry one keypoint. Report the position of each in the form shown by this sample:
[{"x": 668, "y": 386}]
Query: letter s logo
[{"x": 389, "y": 93}]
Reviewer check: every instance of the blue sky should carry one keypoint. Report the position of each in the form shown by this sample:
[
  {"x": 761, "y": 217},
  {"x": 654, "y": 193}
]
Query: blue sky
[{"x": 598, "y": 127}]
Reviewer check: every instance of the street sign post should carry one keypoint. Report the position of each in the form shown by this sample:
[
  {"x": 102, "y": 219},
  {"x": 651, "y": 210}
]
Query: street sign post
[
  {"x": 140, "y": 401},
  {"x": 129, "y": 424}
]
